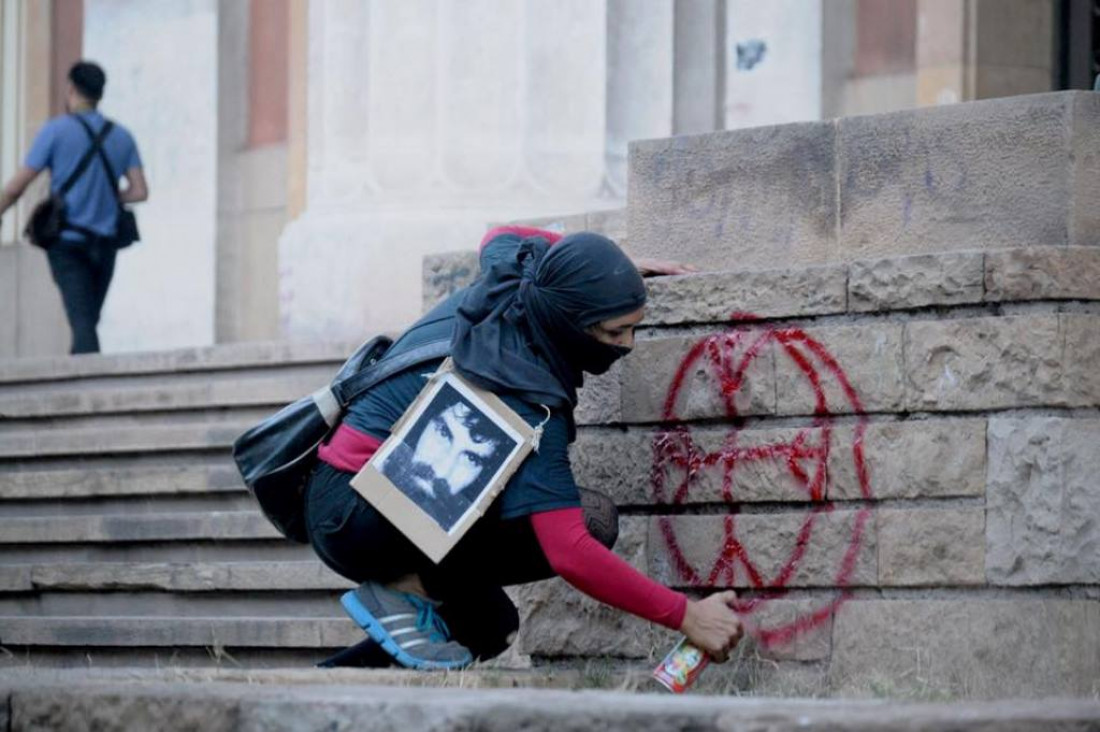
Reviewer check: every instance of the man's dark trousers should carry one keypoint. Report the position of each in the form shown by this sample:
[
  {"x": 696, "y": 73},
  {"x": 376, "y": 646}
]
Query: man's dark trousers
[{"x": 83, "y": 271}]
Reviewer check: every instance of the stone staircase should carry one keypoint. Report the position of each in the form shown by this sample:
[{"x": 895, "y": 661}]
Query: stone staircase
[
  {"x": 126, "y": 535},
  {"x": 876, "y": 416}
]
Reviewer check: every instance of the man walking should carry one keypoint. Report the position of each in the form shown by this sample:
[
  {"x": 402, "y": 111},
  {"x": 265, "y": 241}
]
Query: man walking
[{"x": 82, "y": 261}]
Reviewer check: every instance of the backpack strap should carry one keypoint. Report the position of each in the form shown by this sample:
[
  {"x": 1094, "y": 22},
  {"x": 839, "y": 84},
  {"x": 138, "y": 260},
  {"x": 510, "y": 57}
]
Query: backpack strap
[
  {"x": 97, "y": 147},
  {"x": 86, "y": 159},
  {"x": 353, "y": 386}
]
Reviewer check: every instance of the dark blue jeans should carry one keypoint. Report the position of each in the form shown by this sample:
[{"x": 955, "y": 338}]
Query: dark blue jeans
[
  {"x": 83, "y": 271},
  {"x": 356, "y": 541}
]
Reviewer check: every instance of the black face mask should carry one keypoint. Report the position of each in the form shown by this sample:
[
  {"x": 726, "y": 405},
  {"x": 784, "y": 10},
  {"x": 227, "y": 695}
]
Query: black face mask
[{"x": 599, "y": 358}]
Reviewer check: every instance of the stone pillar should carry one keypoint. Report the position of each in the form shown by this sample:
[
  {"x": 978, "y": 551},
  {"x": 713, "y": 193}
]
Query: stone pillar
[
  {"x": 430, "y": 119},
  {"x": 161, "y": 60},
  {"x": 980, "y": 49},
  {"x": 774, "y": 62}
]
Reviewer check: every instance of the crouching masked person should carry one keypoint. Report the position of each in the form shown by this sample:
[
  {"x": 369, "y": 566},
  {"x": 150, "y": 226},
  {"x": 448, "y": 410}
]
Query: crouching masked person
[{"x": 545, "y": 311}]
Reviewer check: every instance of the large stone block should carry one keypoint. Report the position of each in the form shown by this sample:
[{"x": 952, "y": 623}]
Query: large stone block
[
  {"x": 692, "y": 378},
  {"x": 839, "y": 370},
  {"x": 812, "y": 548},
  {"x": 600, "y": 400},
  {"x": 557, "y": 620},
  {"x": 707, "y": 465},
  {"x": 746, "y": 198},
  {"x": 973, "y": 648},
  {"x": 721, "y": 296},
  {"x": 447, "y": 273},
  {"x": 914, "y": 282},
  {"x": 931, "y": 547},
  {"x": 984, "y": 175},
  {"x": 1080, "y": 356},
  {"x": 931, "y": 458},
  {"x": 1042, "y": 501},
  {"x": 1043, "y": 273},
  {"x": 984, "y": 363}
]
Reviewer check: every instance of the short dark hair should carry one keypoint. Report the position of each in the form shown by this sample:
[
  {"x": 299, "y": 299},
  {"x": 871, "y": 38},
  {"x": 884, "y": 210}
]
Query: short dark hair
[{"x": 89, "y": 79}]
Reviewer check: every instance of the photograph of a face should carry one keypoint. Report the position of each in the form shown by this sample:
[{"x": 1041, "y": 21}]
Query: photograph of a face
[{"x": 448, "y": 455}]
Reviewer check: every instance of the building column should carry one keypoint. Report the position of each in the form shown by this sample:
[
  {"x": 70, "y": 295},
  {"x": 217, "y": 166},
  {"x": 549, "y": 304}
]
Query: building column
[
  {"x": 980, "y": 49},
  {"x": 504, "y": 111}
]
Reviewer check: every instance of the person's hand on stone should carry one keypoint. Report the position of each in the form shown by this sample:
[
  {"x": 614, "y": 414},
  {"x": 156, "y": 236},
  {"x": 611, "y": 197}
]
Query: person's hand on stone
[
  {"x": 657, "y": 267},
  {"x": 712, "y": 625}
]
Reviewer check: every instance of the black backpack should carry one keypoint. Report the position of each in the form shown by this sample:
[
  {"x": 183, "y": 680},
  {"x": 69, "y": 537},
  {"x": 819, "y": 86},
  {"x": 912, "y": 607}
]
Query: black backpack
[{"x": 275, "y": 458}]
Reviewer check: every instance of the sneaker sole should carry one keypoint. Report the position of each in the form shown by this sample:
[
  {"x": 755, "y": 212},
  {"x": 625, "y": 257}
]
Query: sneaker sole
[{"x": 374, "y": 629}]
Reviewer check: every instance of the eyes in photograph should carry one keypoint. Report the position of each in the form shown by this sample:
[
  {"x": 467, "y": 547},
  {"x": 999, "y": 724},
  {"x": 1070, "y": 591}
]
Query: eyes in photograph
[{"x": 473, "y": 459}]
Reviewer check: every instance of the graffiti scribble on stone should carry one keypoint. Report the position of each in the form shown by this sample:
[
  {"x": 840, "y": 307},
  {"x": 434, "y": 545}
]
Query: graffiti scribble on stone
[
  {"x": 679, "y": 462},
  {"x": 750, "y": 53}
]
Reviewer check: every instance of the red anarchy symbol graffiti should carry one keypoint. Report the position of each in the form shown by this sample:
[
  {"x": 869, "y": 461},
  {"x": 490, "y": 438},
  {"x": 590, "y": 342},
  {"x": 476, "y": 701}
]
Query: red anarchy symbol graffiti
[{"x": 728, "y": 357}]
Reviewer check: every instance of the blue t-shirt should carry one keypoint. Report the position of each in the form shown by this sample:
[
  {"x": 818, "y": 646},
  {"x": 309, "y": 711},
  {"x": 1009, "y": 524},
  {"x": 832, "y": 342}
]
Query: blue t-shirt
[
  {"x": 90, "y": 203},
  {"x": 543, "y": 482}
]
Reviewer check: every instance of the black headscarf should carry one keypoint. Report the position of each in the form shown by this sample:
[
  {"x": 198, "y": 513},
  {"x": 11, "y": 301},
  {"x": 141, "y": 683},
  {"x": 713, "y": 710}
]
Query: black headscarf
[{"x": 520, "y": 327}]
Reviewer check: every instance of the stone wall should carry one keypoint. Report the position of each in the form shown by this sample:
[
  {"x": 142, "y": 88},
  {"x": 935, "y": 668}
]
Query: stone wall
[{"x": 891, "y": 458}]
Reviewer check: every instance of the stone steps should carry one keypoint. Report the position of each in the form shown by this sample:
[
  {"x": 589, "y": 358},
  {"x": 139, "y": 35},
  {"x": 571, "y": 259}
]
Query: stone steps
[{"x": 228, "y": 699}]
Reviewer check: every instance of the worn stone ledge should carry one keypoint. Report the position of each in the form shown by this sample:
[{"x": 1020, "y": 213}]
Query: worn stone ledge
[
  {"x": 930, "y": 458},
  {"x": 262, "y": 576},
  {"x": 207, "y": 526},
  {"x": 990, "y": 648},
  {"x": 356, "y": 703},
  {"x": 246, "y": 632},
  {"x": 273, "y": 386},
  {"x": 120, "y": 481},
  {"x": 222, "y": 357},
  {"x": 719, "y": 296},
  {"x": 1042, "y": 501},
  {"x": 1043, "y": 273},
  {"x": 121, "y": 440},
  {"x": 915, "y": 282}
]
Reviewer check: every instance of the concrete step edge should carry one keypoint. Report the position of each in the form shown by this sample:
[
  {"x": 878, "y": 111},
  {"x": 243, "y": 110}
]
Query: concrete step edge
[
  {"x": 91, "y": 482},
  {"x": 257, "y": 576},
  {"x": 247, "y": 632},
  {"x": 122, "y": 528}
]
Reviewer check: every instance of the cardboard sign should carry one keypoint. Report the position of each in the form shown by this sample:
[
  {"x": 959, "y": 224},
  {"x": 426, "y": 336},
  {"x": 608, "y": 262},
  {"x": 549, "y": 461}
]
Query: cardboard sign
[{"x": 451, "y": 453}]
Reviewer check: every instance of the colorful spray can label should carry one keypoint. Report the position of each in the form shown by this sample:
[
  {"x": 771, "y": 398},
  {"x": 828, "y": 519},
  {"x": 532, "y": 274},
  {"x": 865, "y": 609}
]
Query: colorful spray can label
[{"x": 681, "y": 667}]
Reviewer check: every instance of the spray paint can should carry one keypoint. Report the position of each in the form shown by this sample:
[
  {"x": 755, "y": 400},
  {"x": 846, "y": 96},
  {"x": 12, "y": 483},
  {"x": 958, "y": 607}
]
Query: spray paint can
[{"x": 681, "y": 667}]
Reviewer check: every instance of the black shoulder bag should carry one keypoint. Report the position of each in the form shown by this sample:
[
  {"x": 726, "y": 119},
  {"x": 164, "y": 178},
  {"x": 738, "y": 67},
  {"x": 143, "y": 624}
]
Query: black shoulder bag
[
  {"x": 126, "y": 229},
  {"x": 48, "y": 217},
  {"x": 276, "y": 457}
]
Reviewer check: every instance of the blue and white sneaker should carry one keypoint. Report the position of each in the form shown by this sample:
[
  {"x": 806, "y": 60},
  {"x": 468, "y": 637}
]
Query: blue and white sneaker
[{"x": 406, "y": 626}]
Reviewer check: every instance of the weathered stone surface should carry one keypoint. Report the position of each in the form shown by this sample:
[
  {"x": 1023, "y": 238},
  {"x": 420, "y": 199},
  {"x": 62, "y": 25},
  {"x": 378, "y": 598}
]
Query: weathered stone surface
[
  {"x": 867, "y": 357},
  {"x": 15, "y": 578},
  {"x": 984, "y": 363},
  {"x": 976, "y": 648},
  {"x": 915, "y": 282},
  {"x": 931, "y": 547},
  {"x": 992, "y": 174},
  {"x": 123, "y": 439},
  {"x": 756, "y": 461},
  {"x": 611, "y": 223},
  {"x": 813, "y": 643},
  {"x": 212, "y": 390},
  {"x": 168, "y": 631},
  {"x": 746, "y": 198},
  {"x": 186, "y": 576},
  {"x": 929, "y": 458},
  {"x": 1081, "y": 356},
  {"x": 1085, "y": 150},
  {"x": 795, "y": 549},
  {"x": 1043, "y": 273},
  {"x": 600, "y": 400},
  {"x": 137, "y": 528},
  {"x": 376, "y": 701},
  {"x": 557, "y": 620},
  {"x": 721, "y": 296},
  {"x": 650, "y": 373},
  {"x": 1043, "y": 500},
  {"x": 227, "y": 356},
  {"x": 446, "y": 273},
  {"x": 123, "y": 481}
]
